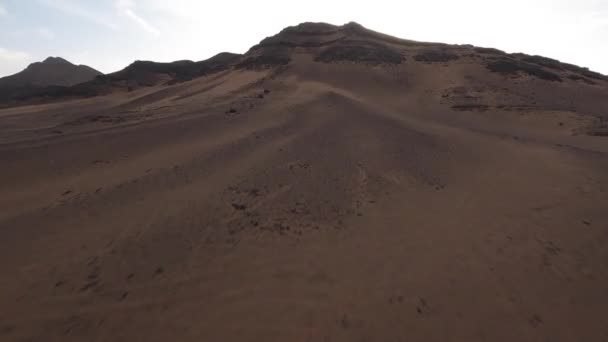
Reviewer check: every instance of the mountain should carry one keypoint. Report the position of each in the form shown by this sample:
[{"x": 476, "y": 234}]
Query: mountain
[
  {"x": 43, "y": 79},
  {"x": 138, "y": 74},
  {"x": 327, "y": 44},
  {"x": 53, "y": 71},
  {"x": 330, "y": 184}
]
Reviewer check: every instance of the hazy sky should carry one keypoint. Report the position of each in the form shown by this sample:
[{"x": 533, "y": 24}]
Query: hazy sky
[{"x": 110, "y": 34}]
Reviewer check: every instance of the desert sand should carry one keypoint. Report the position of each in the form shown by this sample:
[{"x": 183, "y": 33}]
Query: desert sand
[{"x": 314, "y": 200}]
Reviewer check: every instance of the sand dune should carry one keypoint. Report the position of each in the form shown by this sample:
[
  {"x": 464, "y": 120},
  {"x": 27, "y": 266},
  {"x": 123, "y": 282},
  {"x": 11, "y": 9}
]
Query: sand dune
[{"x": 293, "y": 197}]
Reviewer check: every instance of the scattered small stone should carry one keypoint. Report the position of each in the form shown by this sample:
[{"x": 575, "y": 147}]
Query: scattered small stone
[
  {"x": 422, "y": 307},
  {"x": 67, "y": 192},
  {"x": 94, "y": 275},
  {"x": 237, "y": 206},
  {"x": 266, "y": 91},
  {"x": 587, "y": 223},
  {"x": 535, "y": 321},
  {"x": 159, "y": 270},
  {"x": 89, "y": 285},
  {"x": 344, "y": 322}
]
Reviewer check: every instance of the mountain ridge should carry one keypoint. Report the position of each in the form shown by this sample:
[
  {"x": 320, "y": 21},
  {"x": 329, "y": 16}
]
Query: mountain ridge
[{"x": 350, "y": 42}]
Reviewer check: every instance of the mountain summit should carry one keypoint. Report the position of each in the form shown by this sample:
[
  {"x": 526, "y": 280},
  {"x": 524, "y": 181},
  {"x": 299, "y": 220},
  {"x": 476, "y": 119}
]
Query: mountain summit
[
  {"x": 55, "y": 60},
  {"x": 53, "y": 71}
]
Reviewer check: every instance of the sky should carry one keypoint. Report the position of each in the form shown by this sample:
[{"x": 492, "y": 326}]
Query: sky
[{"x": 108, "y": 35}]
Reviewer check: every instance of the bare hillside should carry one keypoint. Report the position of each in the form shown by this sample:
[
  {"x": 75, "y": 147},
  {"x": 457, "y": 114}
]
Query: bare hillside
[{"x": 331, "y": 184}]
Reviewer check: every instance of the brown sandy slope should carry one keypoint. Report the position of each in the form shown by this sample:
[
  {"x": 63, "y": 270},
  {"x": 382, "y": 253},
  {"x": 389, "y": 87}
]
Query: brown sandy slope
[{"x": 300, "y": 196}]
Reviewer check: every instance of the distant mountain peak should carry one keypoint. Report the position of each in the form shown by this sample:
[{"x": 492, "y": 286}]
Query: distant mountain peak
[
  {"x": 55, "y": 60},
  {"x": 53, "y": 71}
]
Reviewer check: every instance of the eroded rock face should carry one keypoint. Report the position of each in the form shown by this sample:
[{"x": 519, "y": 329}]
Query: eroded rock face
[
  {"x": 509, "y": 66},
  {"x": 360, "y": 51},
  {"x": 436, "y": 56},
  {"x": 328, "y": 44}
]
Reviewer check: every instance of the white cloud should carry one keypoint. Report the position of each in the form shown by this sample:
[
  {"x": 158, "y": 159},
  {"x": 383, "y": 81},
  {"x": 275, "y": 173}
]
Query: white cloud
[
  {"x": 2, "y": 11},
  {"x": 141, "y": 22},
  {"x": 45, "y": 32},
  {"x": 127, "y": 8},
  {"x": 13, "y": 55},
  {"x": 75, "y": 9}
]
